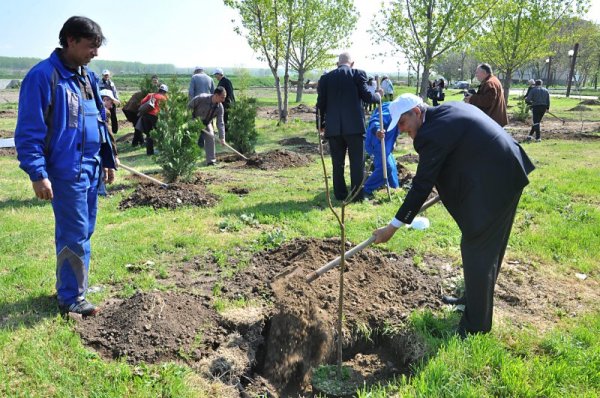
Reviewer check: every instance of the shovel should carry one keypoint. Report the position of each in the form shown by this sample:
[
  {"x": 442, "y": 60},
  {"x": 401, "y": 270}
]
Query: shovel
[
  {"x": 334, "y": 263},
  {"x": 229, "y": 147},
  {"x": 134, "y": 171},
  {"x": 383, "y": 154}
]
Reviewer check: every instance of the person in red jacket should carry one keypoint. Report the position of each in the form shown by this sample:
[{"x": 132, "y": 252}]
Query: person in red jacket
[{"x": 148, "y": 119}]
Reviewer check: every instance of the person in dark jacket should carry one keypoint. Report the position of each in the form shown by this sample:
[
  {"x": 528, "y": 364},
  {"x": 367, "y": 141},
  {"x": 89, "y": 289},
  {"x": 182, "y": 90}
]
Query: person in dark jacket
[
  {"x": 339, "y": 102},
  {"x": 226, "y": 84},
  {"x": 63, "y": 145},
  {"x": 539, "y": 100},
  {"x": 479, "y": 172}
]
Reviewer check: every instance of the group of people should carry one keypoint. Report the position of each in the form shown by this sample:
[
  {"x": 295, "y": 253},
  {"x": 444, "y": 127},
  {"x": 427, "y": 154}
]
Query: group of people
[
  {"x": 479, "y": 171},
  {"x": 435, "y": 91},
  {"x": 386, "y": 85}
]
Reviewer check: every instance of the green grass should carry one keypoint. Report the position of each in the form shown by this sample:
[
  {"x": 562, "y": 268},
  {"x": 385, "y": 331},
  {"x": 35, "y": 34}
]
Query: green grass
[{"x": 557, "y": 229}]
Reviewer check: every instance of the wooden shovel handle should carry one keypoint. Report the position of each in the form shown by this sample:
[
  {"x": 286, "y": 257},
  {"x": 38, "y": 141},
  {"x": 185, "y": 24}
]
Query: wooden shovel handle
[{"x": 134, "y": 171}]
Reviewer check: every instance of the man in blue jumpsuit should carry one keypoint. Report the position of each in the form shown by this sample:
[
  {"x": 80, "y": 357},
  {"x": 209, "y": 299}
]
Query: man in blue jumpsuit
[
  {"x": 373, "y": 148},
  {"x": 63, "y": 145}
]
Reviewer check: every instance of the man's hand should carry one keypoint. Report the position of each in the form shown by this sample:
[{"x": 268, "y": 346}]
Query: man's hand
[
  {"x": 381, "y": 134},
  {"x": 43, "y": 189},
  {"x": 222, "y": 141},
  {"x": 109, "y": 176},
  {"x": 467, "y": 99},
  {"x": 380, "y": 91},
  {"x": 384, "y": 234}
]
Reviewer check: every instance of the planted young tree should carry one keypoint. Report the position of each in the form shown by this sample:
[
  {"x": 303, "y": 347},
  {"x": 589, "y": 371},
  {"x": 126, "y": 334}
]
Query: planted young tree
[
  {"x": 342, "y": 376},
  {"x": 175, "y": 137},
  {"x": 241, "y": 130},
  {"x": 435, "y": 27},
  {"x": 323, "y": 25}
]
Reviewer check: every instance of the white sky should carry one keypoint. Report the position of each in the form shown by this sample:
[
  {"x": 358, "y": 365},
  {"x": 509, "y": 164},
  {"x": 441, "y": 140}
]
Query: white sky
[{"x": 185, "y": 33}]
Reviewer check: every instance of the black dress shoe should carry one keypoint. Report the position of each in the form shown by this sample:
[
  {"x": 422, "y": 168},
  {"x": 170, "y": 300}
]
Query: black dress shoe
[{"x": 454, "y": 300}]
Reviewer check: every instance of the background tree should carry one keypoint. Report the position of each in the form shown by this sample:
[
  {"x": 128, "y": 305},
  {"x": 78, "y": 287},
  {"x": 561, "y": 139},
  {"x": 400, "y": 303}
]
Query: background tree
[
  {"x": 435, "y": 27},
  {"x": 268, "y": 26},
  {"x": 519, "y": 31},
  {"x": 323, "y": 25}
]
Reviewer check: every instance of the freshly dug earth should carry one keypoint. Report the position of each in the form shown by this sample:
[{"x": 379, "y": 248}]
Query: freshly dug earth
[
  {"x": 269, "y": 348},
  {"x": 277, "y": 159},
  {"x": 6, "y": 133},
  {"x": 12, "y": 152},
  {"x": 301, "y": 145},
  {"x": 171, "y": 197},
  {"x": 590, "y": 102},
  {"x": 552, "y": 128}
]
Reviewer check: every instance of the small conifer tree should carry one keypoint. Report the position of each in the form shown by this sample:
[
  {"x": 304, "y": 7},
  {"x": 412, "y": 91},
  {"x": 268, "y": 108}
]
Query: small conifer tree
[
  {"x": 175, "y": 137},
  {"x": 241, "y": 129}
]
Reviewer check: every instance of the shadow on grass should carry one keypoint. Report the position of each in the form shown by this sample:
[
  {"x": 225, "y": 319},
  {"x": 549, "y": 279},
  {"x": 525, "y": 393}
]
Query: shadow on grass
[
  {"x": 17, "y": 204},
  {"x": 28, "y": 312},
  {"x": 284, "y": 208}
]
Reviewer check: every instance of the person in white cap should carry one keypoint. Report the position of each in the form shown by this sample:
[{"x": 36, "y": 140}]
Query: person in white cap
[
  {"x": 479, "y": 172},
  {"x": 226, "y": 84},
  {"x": 201, "y": 83},
  {"x": 339, "y": 104},
  {"x": 107, "y": 84}
]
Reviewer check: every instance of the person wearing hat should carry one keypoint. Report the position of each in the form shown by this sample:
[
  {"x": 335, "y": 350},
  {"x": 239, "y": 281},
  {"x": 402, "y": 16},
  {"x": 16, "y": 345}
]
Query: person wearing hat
[
  {"x": 479, "y": 172},
  {"x": 109, "y": 102},
  {"x": 107, "y": 84},
  {"x": 201, "y": 83},
  {"x": 226, "y": 84},
  {"x": 339, "y": 106},
  {"x": 530, "y": 85},
  {"x": 148, "y": 119}
]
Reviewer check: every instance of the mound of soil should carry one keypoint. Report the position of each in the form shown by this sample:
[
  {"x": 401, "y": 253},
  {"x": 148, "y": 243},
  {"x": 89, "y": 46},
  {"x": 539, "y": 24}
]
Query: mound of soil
[
  {"x": 302, "y": 109},
  {"x": 154, "y": 327},
  {"x": 171, "y": 197},
  {"x": 277, "y": 159},
  {"x": 124, "y": 138},
  {"x": 408, "y": 158},
  {"x": 6, "y": 134},
  {"x": 554, "y": 129},
  {"x": 239, "y": 191},
  {"x": 590, "y": 102},
  {"x": 404, "y": 175},
  {"x": 581, "y": 108}
]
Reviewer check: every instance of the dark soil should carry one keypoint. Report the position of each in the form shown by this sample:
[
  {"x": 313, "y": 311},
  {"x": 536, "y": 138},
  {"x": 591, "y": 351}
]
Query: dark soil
[
  {"x": 552, "y": 128},
  {"x": 6, "y": 134},
  {"x": 171, "y": 197},
  {"x": 277, "y": 159},
  {"x": 12, "y": 152},
  {"x": 581, "y": 108},
  {"x": 404, "y": 175},
  {"x": 301, "y": 145},
  {"x": 270, "y": 349},
  {"x": 408, "y": 158},
  {"x": 590, "y": 102},
  {"x": 239, "y": 191}
]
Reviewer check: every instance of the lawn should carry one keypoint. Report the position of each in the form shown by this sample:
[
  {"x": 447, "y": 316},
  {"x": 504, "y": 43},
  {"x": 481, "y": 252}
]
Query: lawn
[{"x": 556, "y": 236}]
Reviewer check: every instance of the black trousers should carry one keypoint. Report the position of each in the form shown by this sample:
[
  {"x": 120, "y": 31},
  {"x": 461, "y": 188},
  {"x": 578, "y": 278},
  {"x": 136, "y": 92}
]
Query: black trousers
[
  {"x": 538, "y": 114},
  {"x": 355, "y": 146},
  {"x": 113, "y": 119},
  {"x": 482, "y": 257}
]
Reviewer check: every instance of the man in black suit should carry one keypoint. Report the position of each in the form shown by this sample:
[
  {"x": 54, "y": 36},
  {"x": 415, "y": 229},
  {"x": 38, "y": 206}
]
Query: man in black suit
[
  {"x": 339, "y": 101},
  {"x": 479, "y": 172}
]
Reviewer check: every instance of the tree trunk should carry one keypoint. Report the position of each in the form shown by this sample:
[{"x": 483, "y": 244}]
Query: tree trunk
[
  {"x": 424, "y": 83},
  {"x": 300, "y": 87},
  {"x": 507, "y": 82},
  {"x": 279, "y": 99},
  {"x": 417, "y": 78}
]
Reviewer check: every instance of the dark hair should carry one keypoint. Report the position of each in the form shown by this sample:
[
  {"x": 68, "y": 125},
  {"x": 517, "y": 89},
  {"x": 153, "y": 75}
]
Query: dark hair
[
  {"x": 486, "y": 68},
  {"x": 539, "y": 82},
  {"x": 81, "y": 28},
  {"x": 219, "y": 90}
]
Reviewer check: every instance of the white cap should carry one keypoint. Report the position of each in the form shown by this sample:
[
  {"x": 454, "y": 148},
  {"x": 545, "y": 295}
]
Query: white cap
[
  {"x": 109, "y": 94},
  {"x": 105, "y": 72},
  {"x": 400, "y": 105},
  {"x": 164, "y": 88},
  {"x": 218, "y": 71}
]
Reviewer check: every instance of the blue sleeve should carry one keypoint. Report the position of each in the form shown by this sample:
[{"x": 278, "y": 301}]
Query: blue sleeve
[{"x": 31, "y": 130}]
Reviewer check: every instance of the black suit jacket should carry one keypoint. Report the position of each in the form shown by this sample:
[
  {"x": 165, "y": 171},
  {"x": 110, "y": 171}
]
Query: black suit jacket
[
  {"x": 476, "y": 166},
  {"x": 226, "y": 84},
  {"x": 339, "y": 101}
]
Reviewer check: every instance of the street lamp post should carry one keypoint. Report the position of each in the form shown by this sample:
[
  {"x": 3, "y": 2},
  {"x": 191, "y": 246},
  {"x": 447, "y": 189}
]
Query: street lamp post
[
  {"x": 573, "y": 56},
  {"x": 549, "y": 64}
]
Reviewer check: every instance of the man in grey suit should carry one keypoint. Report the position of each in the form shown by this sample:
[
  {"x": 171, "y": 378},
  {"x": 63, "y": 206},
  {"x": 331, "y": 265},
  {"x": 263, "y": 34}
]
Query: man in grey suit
[
  {"x": 339, "y": 101},
  {"x": 479, "y": 172},
  {"x": 201, "y": 83}
]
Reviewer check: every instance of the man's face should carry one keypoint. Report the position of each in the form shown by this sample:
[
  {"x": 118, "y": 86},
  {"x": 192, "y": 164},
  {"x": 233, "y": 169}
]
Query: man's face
[
  {"x": 106, "y": 77},
  {"x": 108, "y": 103},
  {"x": 220, "y": 98},
  {"x": 410, "y": 122},
  {"x": 218, "y": 76},
  {"x": 81, "y": 52},
  {"x": 480, "y": 74}
]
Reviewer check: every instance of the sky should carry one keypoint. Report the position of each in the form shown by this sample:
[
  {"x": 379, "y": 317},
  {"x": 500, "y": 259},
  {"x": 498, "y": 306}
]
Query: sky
[{"x": 186, "y": 33}]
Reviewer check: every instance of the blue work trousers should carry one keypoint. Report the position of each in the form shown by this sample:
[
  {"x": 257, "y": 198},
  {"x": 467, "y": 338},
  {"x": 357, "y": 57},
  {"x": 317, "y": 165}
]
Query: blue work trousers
[{"x": 75, "y": 205}]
